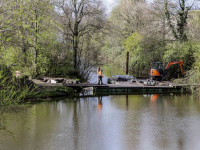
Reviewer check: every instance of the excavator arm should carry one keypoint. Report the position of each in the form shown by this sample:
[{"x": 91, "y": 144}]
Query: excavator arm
[{"x": 175, "y": 62}]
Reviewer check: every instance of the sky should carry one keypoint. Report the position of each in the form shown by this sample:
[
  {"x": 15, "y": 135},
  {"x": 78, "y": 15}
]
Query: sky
[
  {"x": 109, "y": 1},
  {"x": 109, "y": 4}
]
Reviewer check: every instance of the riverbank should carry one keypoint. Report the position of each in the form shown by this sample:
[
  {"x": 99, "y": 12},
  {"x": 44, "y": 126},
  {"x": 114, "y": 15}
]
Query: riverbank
[{"x": 44, "y": 90}]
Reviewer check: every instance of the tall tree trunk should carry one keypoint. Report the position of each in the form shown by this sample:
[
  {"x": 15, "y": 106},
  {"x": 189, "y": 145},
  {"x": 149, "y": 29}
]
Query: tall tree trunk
[
  {"x": 75, "y": 44},
  {"x": 178, "y": 31},
  {"x": 35, "y": 43}
]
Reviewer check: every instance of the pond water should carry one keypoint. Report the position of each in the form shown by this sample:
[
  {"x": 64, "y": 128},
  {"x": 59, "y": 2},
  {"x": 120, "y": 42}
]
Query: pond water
[{"x": 115, "y": 122}]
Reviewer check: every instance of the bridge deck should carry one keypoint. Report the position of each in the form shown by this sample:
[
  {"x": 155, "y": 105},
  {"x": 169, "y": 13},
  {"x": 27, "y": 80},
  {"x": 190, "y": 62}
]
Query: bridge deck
[
  {"x": 119, "y": 86},
  {"x": 127, "y": 87}
]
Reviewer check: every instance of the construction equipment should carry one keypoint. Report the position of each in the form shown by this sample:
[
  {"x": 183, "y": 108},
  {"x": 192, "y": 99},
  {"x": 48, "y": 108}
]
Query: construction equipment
[{"x": 157, "y": 73}]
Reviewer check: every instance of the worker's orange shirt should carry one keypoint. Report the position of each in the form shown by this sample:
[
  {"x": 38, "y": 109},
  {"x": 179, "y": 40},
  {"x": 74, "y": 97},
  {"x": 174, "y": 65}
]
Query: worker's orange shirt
[{"x": 100, "y": 73}]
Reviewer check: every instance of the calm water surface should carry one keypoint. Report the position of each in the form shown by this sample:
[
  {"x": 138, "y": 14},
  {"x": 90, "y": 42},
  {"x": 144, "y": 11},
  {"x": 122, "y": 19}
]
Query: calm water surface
[{"x": 119, "y": 122}]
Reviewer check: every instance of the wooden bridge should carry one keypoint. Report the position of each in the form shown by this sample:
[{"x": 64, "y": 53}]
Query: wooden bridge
[
  {"x": 128, "y": 87},
  {"x": 121, "y": 87}
]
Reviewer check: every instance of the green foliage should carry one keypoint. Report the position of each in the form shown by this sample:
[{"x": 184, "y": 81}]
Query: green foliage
[
  {"x": 184, "y": 51},
  {"x": 67, "y": 90},
  {"x": 11, "y": 97},
  {"x": 192, "y": 79},
  {"x": 142, "y": 51},
  {"x": 132, "y": 43},
  {"x": 51, "y": 92},
  {"x": 43, "y": 62},
  {"x": 193, "y": 75}
]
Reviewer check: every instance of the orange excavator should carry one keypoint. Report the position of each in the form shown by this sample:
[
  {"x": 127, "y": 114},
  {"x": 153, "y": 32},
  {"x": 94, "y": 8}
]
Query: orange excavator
[{"x": 157, "y": 73}]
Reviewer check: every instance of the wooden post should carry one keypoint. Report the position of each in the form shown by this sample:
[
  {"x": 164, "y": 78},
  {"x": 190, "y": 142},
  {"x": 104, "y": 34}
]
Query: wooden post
[
  {"x": 127, "y": 60},
  {"x": 98, "y": 69}
]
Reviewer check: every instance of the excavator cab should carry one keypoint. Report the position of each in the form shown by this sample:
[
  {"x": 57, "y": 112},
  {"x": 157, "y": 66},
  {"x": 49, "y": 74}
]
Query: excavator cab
[
  {"x": 156, "y": 72},
  {"x": 157, "y": 65}
]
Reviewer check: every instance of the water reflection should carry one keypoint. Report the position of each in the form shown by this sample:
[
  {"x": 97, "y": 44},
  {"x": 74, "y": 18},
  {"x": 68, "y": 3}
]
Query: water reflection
[
  {"x": 148, "y": 121},
  {"x": 126, "y": 102},
  {"x": 99, "y": 103}
]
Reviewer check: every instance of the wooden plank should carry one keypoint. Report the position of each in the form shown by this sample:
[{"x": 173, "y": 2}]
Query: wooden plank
[{"x": 84, "y": 85}]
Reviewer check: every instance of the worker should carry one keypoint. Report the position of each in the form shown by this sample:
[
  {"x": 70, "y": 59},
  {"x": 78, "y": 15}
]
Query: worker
[{"x": 100, "y": 75}]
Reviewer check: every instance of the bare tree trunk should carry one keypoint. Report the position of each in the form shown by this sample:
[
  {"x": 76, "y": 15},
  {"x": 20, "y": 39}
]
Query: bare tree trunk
[
  {"x": 75, "y": 44},
  {"x": 35, "y": 42}
]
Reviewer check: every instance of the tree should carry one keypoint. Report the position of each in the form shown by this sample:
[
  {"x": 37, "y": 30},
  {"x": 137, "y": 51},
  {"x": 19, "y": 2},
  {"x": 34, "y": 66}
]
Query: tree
[
  {"x": 180, "y": 15},
  {"x": 194, "y": 25},
  {"x": 129, "y": 17},
  {"x": 141, "y": 30},
  {"x": 34, "y": 23},
  {"x": 28, "y": 36},
  {"x": 79, "y": 18}
]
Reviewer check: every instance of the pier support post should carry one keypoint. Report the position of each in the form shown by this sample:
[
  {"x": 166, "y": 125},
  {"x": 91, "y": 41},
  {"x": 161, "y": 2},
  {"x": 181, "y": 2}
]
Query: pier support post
[
  {"x": 127, "y": 60},
  {"x": 127, "y": 100}
]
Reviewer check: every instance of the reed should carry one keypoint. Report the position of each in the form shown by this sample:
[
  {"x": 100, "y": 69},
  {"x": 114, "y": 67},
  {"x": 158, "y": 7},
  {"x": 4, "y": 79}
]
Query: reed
[{"x": 12, "y": 96}]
